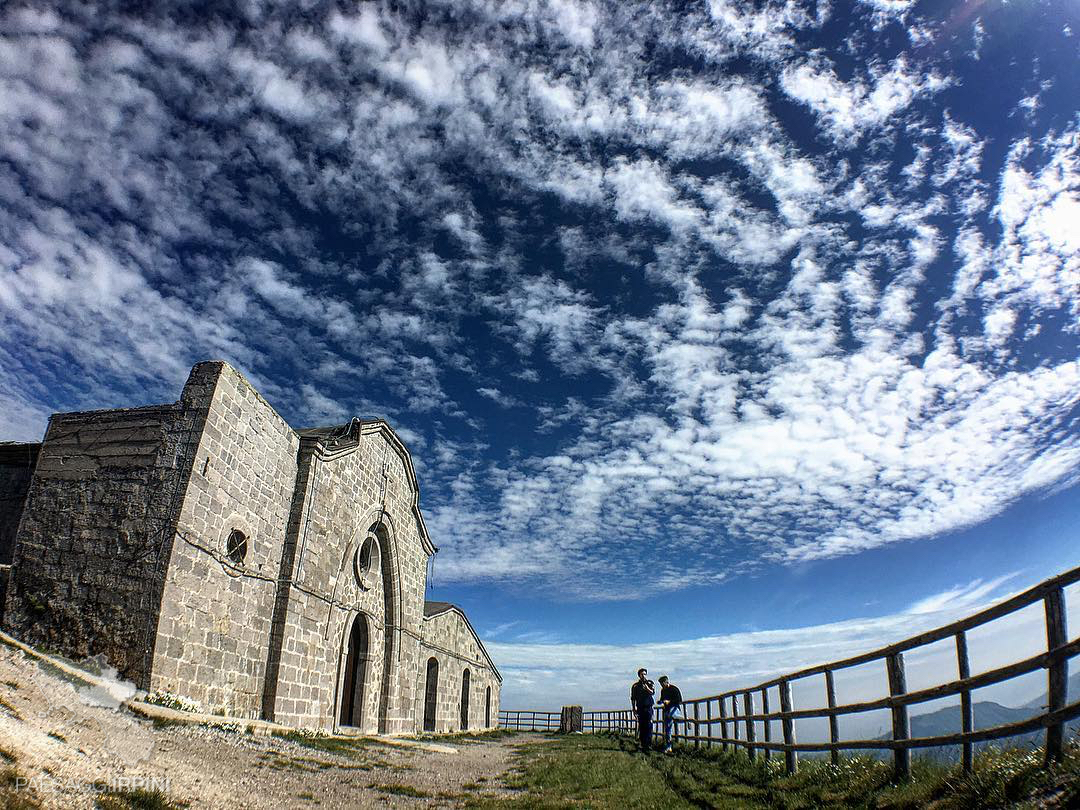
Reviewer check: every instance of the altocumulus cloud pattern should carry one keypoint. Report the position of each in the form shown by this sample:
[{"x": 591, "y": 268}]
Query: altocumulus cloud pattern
[{"x": 774, "y": 281}]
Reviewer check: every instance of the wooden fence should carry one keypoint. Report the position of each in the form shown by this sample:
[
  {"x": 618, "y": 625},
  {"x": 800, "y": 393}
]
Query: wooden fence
[
  {"x": 527, "y": 720},
  {"x": 738, "y": 714}
]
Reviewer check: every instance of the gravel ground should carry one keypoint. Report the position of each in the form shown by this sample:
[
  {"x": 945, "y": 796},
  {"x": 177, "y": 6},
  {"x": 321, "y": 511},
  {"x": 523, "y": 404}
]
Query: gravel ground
[{"x": 63, "y": 744}]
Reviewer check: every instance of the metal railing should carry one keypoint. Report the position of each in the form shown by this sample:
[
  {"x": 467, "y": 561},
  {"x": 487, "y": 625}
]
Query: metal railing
[{"x": 738, "y": 725}]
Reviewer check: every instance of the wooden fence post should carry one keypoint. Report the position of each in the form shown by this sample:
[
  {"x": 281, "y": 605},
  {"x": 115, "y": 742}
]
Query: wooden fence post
[
  {"x": 791, "y": 758},
  {"x": 723, "y": 725},
  {"x": 735, "y": 719},
  {"x": 768, "y": 723},
  {"x": 834, "y": 723},
  {"x": 748, "y": 705},
  {"x": 708, "y": 716},
  {"x": 897, "y": 688},
  {"x": 967, "y": 717},
  {"x": 697, "y": 726},
  {"x": 1058, "y": 672}
]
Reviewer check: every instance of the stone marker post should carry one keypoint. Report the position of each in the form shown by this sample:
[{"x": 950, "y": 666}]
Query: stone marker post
[{"x": 571, "y": 720}]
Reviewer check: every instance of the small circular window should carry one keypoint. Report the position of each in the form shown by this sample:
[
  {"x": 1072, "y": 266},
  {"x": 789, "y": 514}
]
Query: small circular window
[
  {"x": 366, "y": 561},
  {"x": 236, "y": 547}
]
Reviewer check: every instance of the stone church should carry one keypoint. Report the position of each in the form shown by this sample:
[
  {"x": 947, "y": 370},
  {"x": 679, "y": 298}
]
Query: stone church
[{"x": 210, "y": 551}]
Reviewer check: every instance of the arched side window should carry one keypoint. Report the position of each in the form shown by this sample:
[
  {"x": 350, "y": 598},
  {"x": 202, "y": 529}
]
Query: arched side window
[
  {"x": 431, "y": 694},
  {"x": 465, "y": 700},
  {"x": 236, "y": 547},
  {"x": 487, "y": 707}
]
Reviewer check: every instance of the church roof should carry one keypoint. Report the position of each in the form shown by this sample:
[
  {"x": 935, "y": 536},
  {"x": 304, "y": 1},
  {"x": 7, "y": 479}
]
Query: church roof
[{"x": 435, "y": 608}]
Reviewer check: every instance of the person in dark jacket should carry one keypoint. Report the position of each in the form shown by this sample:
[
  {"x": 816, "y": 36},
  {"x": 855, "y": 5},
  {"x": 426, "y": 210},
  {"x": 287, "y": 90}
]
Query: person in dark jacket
[
  {"x": 641, "y": 698},
  {"x": 671, "y": 703}
]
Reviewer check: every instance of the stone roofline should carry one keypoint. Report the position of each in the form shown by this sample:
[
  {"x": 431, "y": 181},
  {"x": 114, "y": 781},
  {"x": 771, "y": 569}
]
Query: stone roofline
[
  {"x": 160, "y": 407},
  {"x": 338, "y": 441},
  {"x": 452, "y": 608}
]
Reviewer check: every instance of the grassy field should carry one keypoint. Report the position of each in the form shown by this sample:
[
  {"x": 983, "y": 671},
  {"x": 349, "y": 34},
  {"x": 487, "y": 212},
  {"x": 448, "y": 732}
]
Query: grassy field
[{"x": 605, "y": 771}]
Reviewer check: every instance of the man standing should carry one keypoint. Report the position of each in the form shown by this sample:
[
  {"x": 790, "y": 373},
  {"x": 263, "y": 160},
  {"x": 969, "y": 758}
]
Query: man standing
[
  {"x": 641, "y": 698},
  {"x": 671, "y": 703}
]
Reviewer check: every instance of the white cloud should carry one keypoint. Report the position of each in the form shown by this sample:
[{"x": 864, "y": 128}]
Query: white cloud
[
  {"x": 279, "y": 92},
  {"x": 308, "y": 46},
  {"x": 498, "y": 397},
  {"x": 362, "y": 29},
  {"x": 642, "y": 191},
  {"x": 576, "y": 21},
  {"x": 847, "y": 109}
]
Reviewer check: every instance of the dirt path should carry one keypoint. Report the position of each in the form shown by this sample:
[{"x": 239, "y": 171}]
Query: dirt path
[{"x": 62, "y": 745}]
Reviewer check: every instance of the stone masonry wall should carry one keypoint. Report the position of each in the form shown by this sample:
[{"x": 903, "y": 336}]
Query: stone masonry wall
[
  {"x": 343, "y": 501},
  {"x": 214, "y": 627},
  {"x": 96, "y": 529},
  {"x": 448, "y": 638},
  {"x": 16, "y": 471}
]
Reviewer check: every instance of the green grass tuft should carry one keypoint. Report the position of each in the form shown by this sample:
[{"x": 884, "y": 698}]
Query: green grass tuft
[
  {"x": 110, "y": 798},
  {"x": 402, "y": 790},
  {"x": 329, "y": 745},
  {"x": 13, "y": 794},
  {"x": 10, "y": 710},
  {"x": 472, "y": 736}
]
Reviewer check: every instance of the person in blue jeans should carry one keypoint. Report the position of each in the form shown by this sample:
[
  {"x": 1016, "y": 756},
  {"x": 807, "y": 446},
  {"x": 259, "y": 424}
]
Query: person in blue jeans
[
  {"x": 671, "y": 703},
  {"x": 641, "y": 698}
]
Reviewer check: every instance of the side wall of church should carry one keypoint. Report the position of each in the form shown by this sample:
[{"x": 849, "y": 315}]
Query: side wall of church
[
  {"x": 16, "y": 471},
  {"x": 214, "y": 628},
  {"x": 344, "y": 499},
  {"x": 448, "y": 639},
  {"x": 96, "y": 530}
]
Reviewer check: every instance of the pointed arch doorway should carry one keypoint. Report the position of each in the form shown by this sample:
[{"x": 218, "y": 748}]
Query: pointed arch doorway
[
  {"x": 465, "y": 687},
  {"x": 352, "y": 686},
  {"x": 431, "y": 694}
]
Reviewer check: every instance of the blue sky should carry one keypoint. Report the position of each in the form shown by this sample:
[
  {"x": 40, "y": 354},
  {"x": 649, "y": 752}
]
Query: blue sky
[{"x": 701, "y": 320}]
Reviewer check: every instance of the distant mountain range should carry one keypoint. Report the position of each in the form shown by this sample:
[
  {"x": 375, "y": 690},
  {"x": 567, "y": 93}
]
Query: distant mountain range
[
  {"x": 987, "y": 714},
  {"x": 1073, "y": 694}
]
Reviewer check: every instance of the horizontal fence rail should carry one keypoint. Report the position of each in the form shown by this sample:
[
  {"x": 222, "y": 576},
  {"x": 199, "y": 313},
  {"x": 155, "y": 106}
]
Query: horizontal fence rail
[
  {"x": 616, "y": 720},
  {"x": 529, "y": 720},
  {"x": 732, "y": 719}
]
